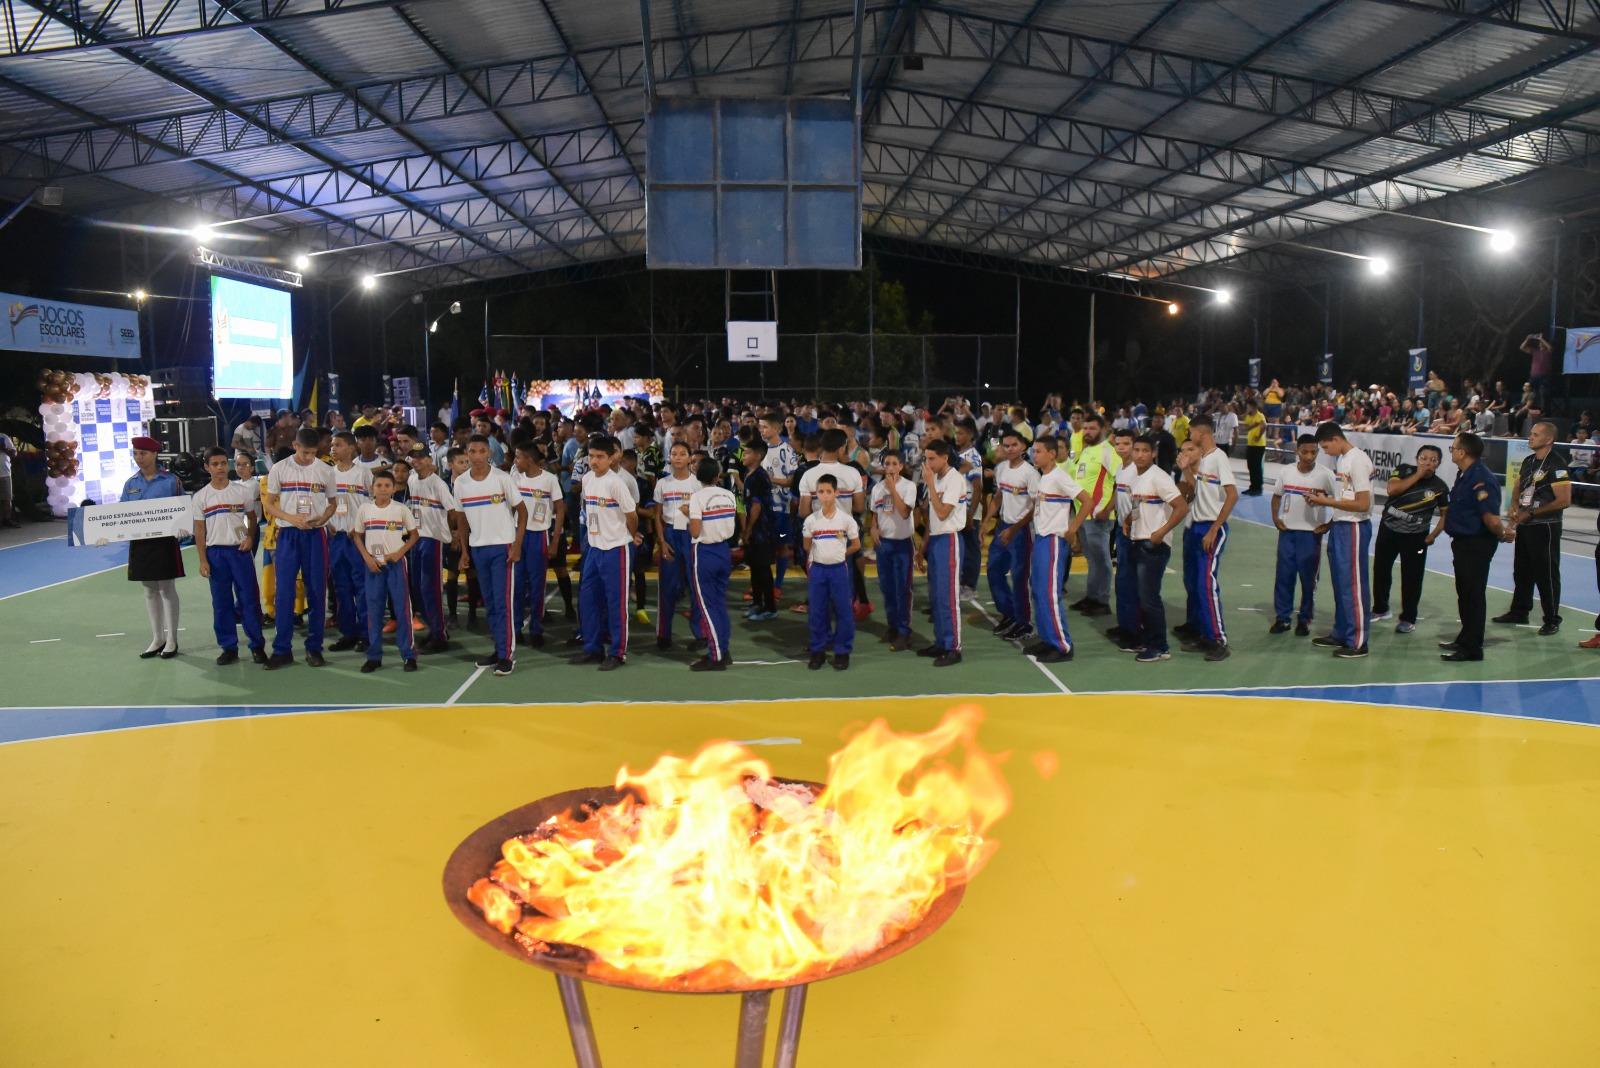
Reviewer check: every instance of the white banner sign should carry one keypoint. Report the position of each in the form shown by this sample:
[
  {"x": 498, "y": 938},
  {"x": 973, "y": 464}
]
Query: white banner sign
[
  {"x": 752, "y": 342},
  {"x": 34, "y": 324},
  {"x": 1389, "y": 451},
  {"x": 164, "y": 517}
]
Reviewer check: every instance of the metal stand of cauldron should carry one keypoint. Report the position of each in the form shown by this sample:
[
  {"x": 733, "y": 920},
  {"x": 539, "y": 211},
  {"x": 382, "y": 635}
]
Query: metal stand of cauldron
[{"x": 753, "y": 1010}]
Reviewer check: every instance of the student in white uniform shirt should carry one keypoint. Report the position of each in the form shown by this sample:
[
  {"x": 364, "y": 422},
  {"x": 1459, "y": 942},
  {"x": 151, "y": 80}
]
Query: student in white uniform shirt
[
  {"x": 1349, "y": 541},
  {"x": 496, "y": 519},
  {"x": 611, "y": 520},
  {"x": 851, "y": 495},
  {"x": 300, "y": 496},
  {"x": 674, "y": 543},
  {"x": 437, "y": 512},
  {"x": 1016, "y": 484},
  {"x": 541, "y": 493},
  {"x": 892, "y": 503},
  {"x": 1301, "y": 525},
  {"x": 1055, "y": 530},
  {"x": 970, "y": 461},
  {"x": 1157, "y": 508},
  {"x": 830, "y": 534},
  {"x": 940, "y": 555},
  {"x": 1209, "y": 487},
  {"x": 1128, "y": 629},
  {"x": 780, "y": 464},
  {"x": 353, "y": 488},
  {"x": 224, "y": 531},
  {"x": 713, "y": 517},
  {"x": 388, "y": 533}
]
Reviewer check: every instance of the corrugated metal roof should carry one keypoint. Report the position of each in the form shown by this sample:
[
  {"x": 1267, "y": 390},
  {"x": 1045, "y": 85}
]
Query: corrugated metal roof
[{"x": 1419, "y": 57}]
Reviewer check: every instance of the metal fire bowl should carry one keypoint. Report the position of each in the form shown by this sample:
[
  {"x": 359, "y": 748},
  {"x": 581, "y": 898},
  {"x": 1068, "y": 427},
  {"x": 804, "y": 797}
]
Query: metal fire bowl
[{"x": 474, "y": 857}]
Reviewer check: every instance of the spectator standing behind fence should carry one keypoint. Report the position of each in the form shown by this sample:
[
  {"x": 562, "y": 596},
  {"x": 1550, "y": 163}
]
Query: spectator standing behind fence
[
  {"x": 1255, "y": 445},
  {"x": 1543, "y": 491},
  {"x": 1414, "y": 491}
]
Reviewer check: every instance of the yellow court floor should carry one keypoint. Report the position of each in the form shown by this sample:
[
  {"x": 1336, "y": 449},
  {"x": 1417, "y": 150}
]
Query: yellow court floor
[{"x": 1205, "y": 881}]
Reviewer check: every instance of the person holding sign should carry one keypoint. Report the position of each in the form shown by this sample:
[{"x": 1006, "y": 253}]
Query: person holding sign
[
  {"x": 224, "y": 534},
  {"x": 156, "y": 562}
]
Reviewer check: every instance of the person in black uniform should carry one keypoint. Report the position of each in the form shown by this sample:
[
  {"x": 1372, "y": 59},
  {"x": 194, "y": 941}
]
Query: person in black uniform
[
  {"x": 1543, "y": 492},
  {"x": 1415, "y": 490},
  {"x": 1473, "y": 523},
  {"x": 157, "y": 563}
]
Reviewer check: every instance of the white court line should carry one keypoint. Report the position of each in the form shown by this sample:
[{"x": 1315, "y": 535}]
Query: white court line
[
  {"x": 1346, "y": 685},
  {"x": 1051, "y": 675},
  {"x": 63, "y": 582},
  {"x": 113, "y": 634},
  {"x": 1375, "y": 704},
  {"x": 762, "y": 663},
  {"x": 463, "y": 687},
  {"x": 43, "y": 641},
  {"x": 35, "y": 541}
]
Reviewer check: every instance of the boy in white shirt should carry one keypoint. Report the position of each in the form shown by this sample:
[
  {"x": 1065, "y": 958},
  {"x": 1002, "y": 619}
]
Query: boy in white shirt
[
  {"x": 674, "y": 544},
  {"x": 388, "y": 531},
  {"x": 713, "y": 517},
  {"x": 1128, "y": 629},
  {"x": 1158, "y": 507},
  {"x": 353, "y": 488},
  {"x": 780, "y": 464},
  {"x": 224, "y": 531},
  {"x": 940, "y": 555},
  {"x": 611, "y": 523},
  {"x": 830, "y": 534},
  {"x": 496, "y": 518},
  {"x": 1055, "y": 531},
  {"x": 1301, "y": 525},
  {"x": 970, "y": 462},
  {"x": 851, "y": 495},
  {"x": 1209, "y": 487},
  {"x": 437, "y": 513},
  {"x": 892, "y": 502},
  {"x": 1349, "y": 540},
  {"x": 300, "y": 496},
  {"x": 1016, "y": 484},
  {"x": 541, "y": 493}
]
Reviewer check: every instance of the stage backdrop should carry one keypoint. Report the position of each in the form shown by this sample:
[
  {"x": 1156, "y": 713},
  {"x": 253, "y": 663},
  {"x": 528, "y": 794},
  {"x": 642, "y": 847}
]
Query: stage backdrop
[
  {"x": 90, "y": 421},
  {"x": 573, "y": 395}
]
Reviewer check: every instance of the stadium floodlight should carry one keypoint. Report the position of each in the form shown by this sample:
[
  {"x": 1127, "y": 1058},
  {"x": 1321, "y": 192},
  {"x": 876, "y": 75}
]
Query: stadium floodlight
[
  {"x": 369, "y": 282},
  {"x": 302, "y": 262},
  {"x": 1224, "y": 296},
  {"x": 1172, "y": 309},
  {"x": 1378, "y": 266},
  {"x": 1502, "y": 241},
  {"x": 139, "y": 295},
  {"x": 203, "y": 234}
]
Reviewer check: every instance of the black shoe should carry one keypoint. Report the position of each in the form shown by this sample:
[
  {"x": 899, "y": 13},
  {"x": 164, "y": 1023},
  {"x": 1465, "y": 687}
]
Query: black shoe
[
  {"x": 946, "y": 659},
  {"x": 536, "y": 641},
  {"x": 488, "y": 661},
  {"x": 611, "y": 663},
  {"x": 664, "y": 644},
  {"x": 259, "y": 656},
  {"x": 1184, "y": 630},
  {"x": 1005, "y": 624},
  {"x": 841, "y": 661},
  {"x": 229, "y": 656},
  {"x": 343, "y": 645},
  {"x": 1549, "y": 629},
  {"x": 278, "y": 660},
  {"x": 150, "y": 654},
  {"x": 902, "y": 643},
  {"x": 695, "y": 645},
  {"x": 361, "y": 645},
  {"x": 409, "y": 665},
  {"x": 816, "y": 661},
  {"x": 1279, "y": 626},
  {"x": 1097, "y": 608},
  {"x": 504, "y": 667},
  {"x": 586, "y": 658},
  {"x": 705, "y": 663},
  {"x": 1116, "y": 634},
  {"x": 1327, "y": 641},
  {"x": 1218, "y": 652},
  {"x": 314, "y": 658},
  {"x": 1130, "y": 645},
  {"x": 1019, "y": 632},
  {"x": 930, "y": 650},
  {"x": 1460, "y": 656},
  {"x": 1510, "y": 617},
  {"x": 1080, "y": 604},
  {"x": 1348, "y": 653},
  {"x": 1053, "y": 656},
  {"x": 433, "y": 646},
  {"x": 369, "y": 666},
  {"x": 1038, "y": 648},
  {"x": 1302, "y": 630},
  {"x": 1450, "y": 646},
  {"x": 572, "y": 642}
]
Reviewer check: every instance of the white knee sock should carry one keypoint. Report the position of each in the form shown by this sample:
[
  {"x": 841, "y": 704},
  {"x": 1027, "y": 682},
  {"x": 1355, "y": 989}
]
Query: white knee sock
[
  {"x": 169, "y": 612},
  {"x": 152, "y": 607}
]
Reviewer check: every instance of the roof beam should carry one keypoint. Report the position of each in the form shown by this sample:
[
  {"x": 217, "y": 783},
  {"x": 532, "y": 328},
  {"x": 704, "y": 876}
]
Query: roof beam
[{"x": 1573, "y": 20}]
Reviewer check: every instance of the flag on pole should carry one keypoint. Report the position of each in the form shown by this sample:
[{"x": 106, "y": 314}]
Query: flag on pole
[
  {"x": 483, "y": 396},
  {"x": 455, "y": 403},
  {"x": 316, "y": 409},
  {"x": 516, "y": 392}
]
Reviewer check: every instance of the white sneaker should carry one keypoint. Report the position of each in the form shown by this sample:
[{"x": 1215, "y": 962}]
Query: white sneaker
[
  {"x": 1403, "y": 627},
  {"x": 968, "y": 593},
  {"x": 1378, "y": 617}
]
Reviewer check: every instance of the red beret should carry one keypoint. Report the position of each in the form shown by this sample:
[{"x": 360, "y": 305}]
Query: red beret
[{"x": 147, "y": 444}]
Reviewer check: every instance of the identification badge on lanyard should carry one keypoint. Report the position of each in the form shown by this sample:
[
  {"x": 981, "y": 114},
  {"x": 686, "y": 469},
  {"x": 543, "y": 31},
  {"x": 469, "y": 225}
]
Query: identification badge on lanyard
[
  {"x": 1527, "y": 496},
  {"x": 341, "y": 505},
  {"x": 592, "y": 520},
  {"x": 302, "y": 505},
  {"x": 541, "y": 510}
]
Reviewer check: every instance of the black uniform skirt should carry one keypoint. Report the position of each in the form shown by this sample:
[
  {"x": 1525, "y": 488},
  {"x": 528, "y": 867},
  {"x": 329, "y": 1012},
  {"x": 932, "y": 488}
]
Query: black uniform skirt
[{"x": 154, "y": 559}]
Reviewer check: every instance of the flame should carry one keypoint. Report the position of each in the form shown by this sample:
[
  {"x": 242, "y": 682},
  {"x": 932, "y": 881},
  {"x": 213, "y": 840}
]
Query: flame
[{"x": 709, "y": 871}]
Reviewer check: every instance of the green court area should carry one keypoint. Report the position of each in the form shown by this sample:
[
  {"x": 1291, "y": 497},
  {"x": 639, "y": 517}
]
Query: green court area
[{"x": 77, "y": 643}]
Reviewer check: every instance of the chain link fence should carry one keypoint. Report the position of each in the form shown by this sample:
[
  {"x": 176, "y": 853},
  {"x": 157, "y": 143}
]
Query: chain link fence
[{"x": 904, "y": 368}]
